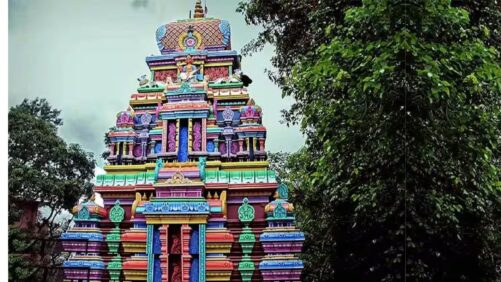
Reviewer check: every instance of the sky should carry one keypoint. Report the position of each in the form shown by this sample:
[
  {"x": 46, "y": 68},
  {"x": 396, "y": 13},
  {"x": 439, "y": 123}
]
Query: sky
[{"x": 84, "y": 56}]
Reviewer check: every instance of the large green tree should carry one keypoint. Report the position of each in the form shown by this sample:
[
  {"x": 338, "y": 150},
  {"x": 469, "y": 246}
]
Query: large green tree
[
  {"x": 294, "y": 27},
  {"x": 44, "y": 172},
  {"x": 400, "y": 107}
]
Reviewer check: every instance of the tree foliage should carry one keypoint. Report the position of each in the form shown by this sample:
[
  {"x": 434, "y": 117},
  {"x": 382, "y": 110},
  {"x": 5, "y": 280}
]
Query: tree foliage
[
  {"x": 45, "y": 172},
  {"x": 278, "y": 163},
  {"x": 400, "y": 106},
  {"x": 485, "y": 19},
  {"x": 294, "y": 27}
]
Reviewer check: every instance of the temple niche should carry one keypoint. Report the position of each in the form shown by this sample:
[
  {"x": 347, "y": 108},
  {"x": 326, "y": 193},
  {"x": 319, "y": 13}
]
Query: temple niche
[{"x": 188, "y": 194}]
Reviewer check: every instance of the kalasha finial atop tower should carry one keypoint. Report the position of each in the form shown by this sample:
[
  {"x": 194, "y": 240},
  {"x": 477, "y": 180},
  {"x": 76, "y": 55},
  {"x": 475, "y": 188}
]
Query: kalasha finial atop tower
[{"x": 199, "y": 11}]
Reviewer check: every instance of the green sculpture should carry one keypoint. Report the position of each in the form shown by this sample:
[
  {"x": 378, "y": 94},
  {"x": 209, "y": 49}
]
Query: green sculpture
[
  {"x": 246, "y": 212},
  {"x": 279, "y": 212},
  {"x": 201, "y": 166},
  {"x": 117, "y": 214},
  {"x": 283, "y": 191},
  {"x": 246, "y": 239},
  {"x": 115, "y": 268},
  {"x": 159, "y": 165},
  {"x": 83, "y": 213}
]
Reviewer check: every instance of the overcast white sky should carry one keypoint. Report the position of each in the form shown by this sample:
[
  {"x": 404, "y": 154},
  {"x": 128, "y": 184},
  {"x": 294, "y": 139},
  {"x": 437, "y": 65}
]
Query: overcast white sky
[{"x": 84, "y": 56}]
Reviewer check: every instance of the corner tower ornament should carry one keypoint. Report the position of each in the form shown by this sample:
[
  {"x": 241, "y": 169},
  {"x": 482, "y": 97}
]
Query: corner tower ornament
[
  {"x": 84, "y": 213},
  {"x": 279, "y": 212},
  {"x": 187, "y": 175}
]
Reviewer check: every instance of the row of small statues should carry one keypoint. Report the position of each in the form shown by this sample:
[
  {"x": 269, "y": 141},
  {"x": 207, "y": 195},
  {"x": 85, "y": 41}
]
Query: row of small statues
[
  {"x": 235, "y": 78},
  {"x": 190, "y": 73}
]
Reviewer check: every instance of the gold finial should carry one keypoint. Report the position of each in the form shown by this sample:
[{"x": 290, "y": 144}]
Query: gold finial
[{"x": 199, "y": 11}]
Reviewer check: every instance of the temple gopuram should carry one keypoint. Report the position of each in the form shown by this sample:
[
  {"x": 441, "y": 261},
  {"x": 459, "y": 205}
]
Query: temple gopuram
[{"x": 188, "y": 194}]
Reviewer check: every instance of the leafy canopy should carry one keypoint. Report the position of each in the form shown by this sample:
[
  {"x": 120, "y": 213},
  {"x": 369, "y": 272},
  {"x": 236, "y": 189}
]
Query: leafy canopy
[
  {"x": 43, "y": 171},
  {"x": 398, "y": 177},
  {"x": 294, "y": 27}
]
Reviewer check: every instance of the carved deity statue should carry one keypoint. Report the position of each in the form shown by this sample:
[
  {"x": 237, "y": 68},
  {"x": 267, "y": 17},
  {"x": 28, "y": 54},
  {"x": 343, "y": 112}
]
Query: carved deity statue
[
  {"x": 176, "y": 272},
  {"x": 176, "y": 245},
  {"x": 188, "y": 71}
]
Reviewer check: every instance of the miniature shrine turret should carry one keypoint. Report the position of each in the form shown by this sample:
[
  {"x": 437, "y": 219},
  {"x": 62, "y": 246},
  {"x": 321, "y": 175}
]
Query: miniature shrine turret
[
  {"x": 188, "y": 194},
  {"x": 86, "y": 243}
]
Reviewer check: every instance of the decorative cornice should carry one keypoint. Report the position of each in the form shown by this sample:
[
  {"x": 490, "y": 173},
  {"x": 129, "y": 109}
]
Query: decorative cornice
[
  {"x": 280, "y": 264},
  {"x": 281, "y": 236},
  {"x": 84, "y": 264},
  {"x": 82, "y": 236},
  {"x": 176, "y": 208}
]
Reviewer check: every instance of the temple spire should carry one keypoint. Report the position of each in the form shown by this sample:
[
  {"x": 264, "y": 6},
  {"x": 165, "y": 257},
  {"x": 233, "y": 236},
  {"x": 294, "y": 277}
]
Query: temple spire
[{"x": 199, "y": 11}]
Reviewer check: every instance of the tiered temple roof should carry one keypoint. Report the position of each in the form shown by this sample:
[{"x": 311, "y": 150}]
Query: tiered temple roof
[{"x": 188, "y": 193}]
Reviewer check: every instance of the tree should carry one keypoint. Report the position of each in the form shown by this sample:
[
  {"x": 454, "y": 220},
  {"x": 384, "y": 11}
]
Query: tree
[
  {"x": 278, "y": 163},
  {"x": 294, "y": 27},
  {"x": 485, "y": 19},
  {"x": 44, "y": 172},
  {"x": 398, "y": 176}
]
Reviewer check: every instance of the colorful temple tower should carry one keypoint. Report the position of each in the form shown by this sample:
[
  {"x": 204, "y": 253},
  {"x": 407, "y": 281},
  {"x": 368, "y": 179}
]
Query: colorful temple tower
[{"x": 187, "y": 194}]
